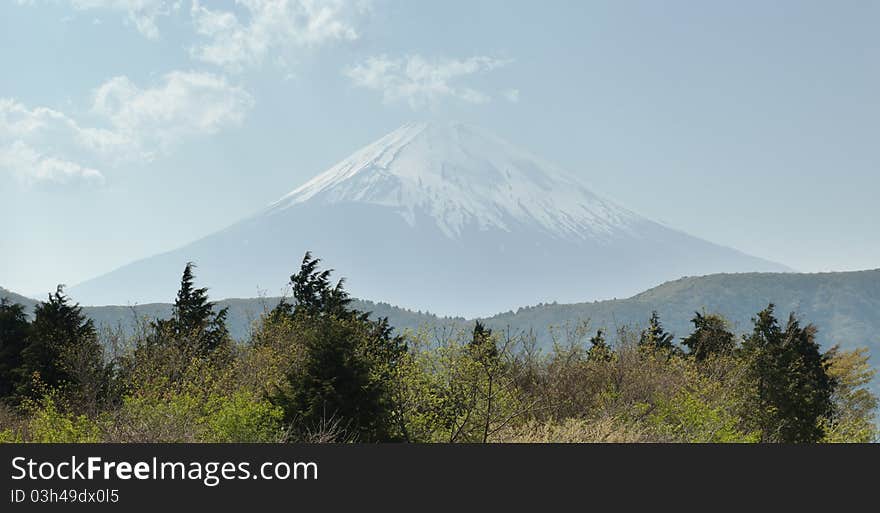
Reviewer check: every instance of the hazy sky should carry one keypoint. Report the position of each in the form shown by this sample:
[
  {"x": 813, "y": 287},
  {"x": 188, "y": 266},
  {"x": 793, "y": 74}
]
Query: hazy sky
[{"x": 131, "y": 127}]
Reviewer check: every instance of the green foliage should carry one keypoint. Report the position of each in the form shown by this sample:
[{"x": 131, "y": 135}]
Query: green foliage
[
  {"x": 193, "y": 323},
  {"x": 317, "y": 370},
  {"x": 655, "y": 338},
  {"x": 242, "y": 418},
  {"x": 600, "y": 351},
  {"x": 14, "y": 331},
  {"x": 710, "y": 337},
  {"x": 576, "y": 430},
  {"x": 50, "y": 424},
  {"x": 313, "y": 292},
  {"x": 164, "y": 414},
  {"x": 789, "y": 390},
  {"x": 461, "y": 389},
  {"x": 62, "y": 352},
  {"x": 8, "y": 436},
  {"x": 854, "y": 404},
  {"x": 346, "y": 361},
  {"x": 688, "y": 416},
  {"x": 334, "y": 381},
  {"x": 158, "y": 414}
]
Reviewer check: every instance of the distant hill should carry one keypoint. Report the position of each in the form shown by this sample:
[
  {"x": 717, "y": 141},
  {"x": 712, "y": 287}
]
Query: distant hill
[
  {"x": 242, "y": 313},
  {"x": 844, "y": 306},
  {"x": 17, "y": 298}
]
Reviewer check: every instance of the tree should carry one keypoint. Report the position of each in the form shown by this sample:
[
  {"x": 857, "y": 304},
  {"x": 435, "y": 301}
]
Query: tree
[
  {"x": 62, "y": 351},
  {"x": 313, "y": 292},
  {"x": 789, "y": 390},
  {"x": 599, "y": 351},
  {"x": 459, "y": 386},
  {"x": 482, "y": 345},
  {"x": 347, "y": 360},
  {"x": 710, "y": 337},
  {"x": 193, "y": 320},
  {"x": 854, "y": 402},
  {"x": 483, "y": 350},
  {"x": 14, "y": 330},
  {"x": 655, "y": 338}
]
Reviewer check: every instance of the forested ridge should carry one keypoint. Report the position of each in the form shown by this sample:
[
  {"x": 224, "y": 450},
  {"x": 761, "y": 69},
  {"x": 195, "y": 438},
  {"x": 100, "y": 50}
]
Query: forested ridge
[
  {"x": 845, "y": 306},
  {"x": 318, "y": 367}
]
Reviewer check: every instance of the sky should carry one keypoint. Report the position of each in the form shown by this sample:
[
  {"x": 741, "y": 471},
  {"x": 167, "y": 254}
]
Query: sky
[{"x": 132, "y": 127}]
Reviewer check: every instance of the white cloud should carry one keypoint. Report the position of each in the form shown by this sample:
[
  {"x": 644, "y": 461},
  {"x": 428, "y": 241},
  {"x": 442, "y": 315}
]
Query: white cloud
[
  {"x": 419, "y": 81},
  {"x": 21, "y": 129},
  {"x": 30, "y": 166},
  {"x": 18, "y": 122},
  {"x": 184, "y": 104},
  {"x": 43, "y": 144},
  {"x": 271, "y": 24}
]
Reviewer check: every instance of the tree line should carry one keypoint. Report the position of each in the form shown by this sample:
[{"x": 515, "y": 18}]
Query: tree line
[{"x": 314, "y": 369}]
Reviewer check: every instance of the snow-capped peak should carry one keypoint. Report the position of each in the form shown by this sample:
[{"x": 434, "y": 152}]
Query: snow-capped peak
[{"x": 461, "y": 175}]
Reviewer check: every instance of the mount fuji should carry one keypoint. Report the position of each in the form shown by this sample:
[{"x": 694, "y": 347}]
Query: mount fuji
[{"x": 441, "y": 217}]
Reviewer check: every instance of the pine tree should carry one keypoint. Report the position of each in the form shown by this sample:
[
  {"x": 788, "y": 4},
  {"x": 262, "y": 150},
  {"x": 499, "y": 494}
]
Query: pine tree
[
  {"x": 348, "y": 362},
  {"x": 14, "y": 330},
  {"x": 482, "y": 345},
  {"x": 790, "y": 390},
  {"x": 709, "y": 338},
  {"x": 599, "y": 351},
  {"x": 62, "y": 349},
  {"x": 810, "y": 386},
  {"x": 655, "y": 338},
  {"x": 193, "y": 321},
  {"x": 762, "y": 353},
  {"x": 313, "y": 292}
]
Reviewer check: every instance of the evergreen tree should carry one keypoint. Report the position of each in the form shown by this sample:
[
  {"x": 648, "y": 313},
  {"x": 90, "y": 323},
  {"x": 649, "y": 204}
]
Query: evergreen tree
[
  {"x": 599, "y": 351},
  {"x": 348, "y": 364},
  {"x": 482, "y": 345},
  {"x": 62, "y": 349},
  {"x": 313, "y": 292},
  {"x": 333, "y": 383},
  {"x": 655, "y": 338},
  {"x": 14, "y": 330},
  {"x": 709, "y": 338},
  {"x": 790, "y": 390},
  {"x": 193, "y": 321}
]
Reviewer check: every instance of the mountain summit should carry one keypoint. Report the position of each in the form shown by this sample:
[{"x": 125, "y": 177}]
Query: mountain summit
[
  {"x": 461, "y": 176},
  {"x": 443, "y": 217}
]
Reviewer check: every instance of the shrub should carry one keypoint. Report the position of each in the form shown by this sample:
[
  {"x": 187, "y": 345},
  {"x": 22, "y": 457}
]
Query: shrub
[
  {"x": 49, "y": 424},
  {"x": 242, "y": 418}
]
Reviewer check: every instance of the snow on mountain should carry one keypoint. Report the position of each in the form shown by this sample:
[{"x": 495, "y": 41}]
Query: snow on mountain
[
  {"x": 460, "y": 174},
  {"x": 441, "y": 217}
]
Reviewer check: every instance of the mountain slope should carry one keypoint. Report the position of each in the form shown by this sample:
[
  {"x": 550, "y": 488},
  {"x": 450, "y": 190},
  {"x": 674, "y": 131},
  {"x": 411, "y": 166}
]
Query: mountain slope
[
  {"x": 18, "y": 298},
  {"x": 844, "y": 306},
  {"x": 441, "y": 217},
  {"x": 459, "y": 175}
]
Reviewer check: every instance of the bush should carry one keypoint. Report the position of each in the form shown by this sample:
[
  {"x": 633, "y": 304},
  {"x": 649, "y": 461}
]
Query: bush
[
  {"x": 7, "y": 436},
  {"x": 156, "y": 416},
  {"x": 242, "y": 418},
  {"x": 48, "y": 424},
  {"x": 689, "y": 418},
  {"x": 601, "y": 430}
]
